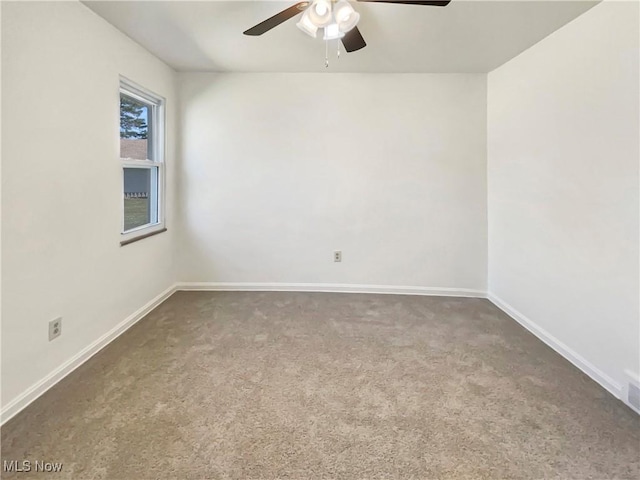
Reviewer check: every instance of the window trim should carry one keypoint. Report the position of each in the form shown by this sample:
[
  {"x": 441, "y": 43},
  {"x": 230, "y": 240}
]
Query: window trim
[{"x": 157, "y": 128}]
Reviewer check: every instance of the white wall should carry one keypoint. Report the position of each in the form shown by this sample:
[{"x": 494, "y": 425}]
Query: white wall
[
  {"x": 563, "y": 151},
  {"x": 61, "y": 187},
  {"x": 280, "y": 170}
]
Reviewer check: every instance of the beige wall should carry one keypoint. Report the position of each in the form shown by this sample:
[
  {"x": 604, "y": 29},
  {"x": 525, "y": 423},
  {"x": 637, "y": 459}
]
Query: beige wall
[
  {"x": 563, "y": 146},
  {"x": 280, "y": 170},
  {"x": 62, "y": 187}
]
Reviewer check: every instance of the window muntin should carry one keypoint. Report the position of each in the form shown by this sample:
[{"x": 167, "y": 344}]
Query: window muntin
[{"x": 142, "y": 160}]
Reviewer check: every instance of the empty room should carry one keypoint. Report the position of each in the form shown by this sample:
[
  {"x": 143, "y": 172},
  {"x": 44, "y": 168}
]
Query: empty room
[{"x": 329, "y": 239}]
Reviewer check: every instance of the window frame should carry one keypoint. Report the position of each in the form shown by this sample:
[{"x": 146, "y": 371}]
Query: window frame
[{"x": 157, "y": 132}]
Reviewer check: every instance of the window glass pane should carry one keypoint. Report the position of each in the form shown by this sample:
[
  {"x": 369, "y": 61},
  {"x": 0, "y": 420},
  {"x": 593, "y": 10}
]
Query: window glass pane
[
  {"x": 140, "y": 197},
  {"x": 135, "y": 129}
]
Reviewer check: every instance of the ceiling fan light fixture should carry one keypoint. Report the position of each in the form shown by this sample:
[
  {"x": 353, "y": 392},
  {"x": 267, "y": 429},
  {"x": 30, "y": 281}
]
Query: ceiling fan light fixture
[
  {"x": 320, "y": 13},
  {"x": 306, "y": 25},
  {"x": 332, "y": 32},
  {"x": 321, "y": 7},
  {"x": 345, "y": 15}
]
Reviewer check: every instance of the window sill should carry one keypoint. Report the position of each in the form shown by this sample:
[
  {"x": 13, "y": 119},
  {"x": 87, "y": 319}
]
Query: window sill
[{"x": 141, "y": 237}]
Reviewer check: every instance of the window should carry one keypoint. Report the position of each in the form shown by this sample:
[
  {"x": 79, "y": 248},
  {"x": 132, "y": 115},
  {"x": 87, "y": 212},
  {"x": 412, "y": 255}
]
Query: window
[{"x": 142, "y": 159}]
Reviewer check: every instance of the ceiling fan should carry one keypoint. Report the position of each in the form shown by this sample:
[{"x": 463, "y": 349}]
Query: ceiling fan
[{"x": 336, "y": 17}]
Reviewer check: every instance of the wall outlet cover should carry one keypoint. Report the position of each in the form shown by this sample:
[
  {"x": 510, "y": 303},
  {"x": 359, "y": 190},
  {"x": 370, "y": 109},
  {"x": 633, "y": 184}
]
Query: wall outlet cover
[{"x": 55, "y": 328}]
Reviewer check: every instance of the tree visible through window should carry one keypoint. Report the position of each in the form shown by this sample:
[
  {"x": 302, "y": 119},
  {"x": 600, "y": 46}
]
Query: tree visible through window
[{"x": 133, "y": 118}]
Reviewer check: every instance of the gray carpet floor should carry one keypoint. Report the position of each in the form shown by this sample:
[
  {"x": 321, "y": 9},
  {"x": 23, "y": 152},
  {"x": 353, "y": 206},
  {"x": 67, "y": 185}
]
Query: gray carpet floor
[{"x": 308, "y": 385}]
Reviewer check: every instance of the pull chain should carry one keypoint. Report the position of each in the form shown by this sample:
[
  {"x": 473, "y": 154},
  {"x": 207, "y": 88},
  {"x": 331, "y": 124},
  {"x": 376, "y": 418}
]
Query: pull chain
[
  {"x": 338, "y": 50},
  {"x": 326, "y": 54}
]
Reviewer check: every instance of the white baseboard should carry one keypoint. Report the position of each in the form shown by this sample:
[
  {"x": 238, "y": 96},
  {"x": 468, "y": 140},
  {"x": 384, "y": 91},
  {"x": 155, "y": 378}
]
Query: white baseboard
[
  {"x": 37, "y": 389},
  {"x": 330, "y": 288},
  {"x": 609, "y": 384},
  {"x": 576, "y": 359}
]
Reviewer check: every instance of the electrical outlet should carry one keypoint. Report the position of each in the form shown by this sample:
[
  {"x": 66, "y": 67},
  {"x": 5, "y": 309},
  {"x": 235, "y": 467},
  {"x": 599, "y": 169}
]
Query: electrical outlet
[
  {"x": 337, "y": 256},
  {"x": 55, "y": 328}
]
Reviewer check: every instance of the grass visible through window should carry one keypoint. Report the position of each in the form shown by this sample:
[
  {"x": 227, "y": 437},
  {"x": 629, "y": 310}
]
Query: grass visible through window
[{"x": 136, "y": 212}]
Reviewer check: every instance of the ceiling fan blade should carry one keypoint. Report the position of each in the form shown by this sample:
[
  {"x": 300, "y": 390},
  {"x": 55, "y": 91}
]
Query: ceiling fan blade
[
  {"x": 353, "y": 40},
  {"x": 277, "y": 19},
  {"x": 432, "y": 3}
]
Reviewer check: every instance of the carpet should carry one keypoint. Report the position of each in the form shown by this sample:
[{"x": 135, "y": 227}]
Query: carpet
[{"x": 271, "y": 385}]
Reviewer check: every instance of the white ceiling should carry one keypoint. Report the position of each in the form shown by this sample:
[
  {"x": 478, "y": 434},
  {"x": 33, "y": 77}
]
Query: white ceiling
[{"x": 466, "y": 36}]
